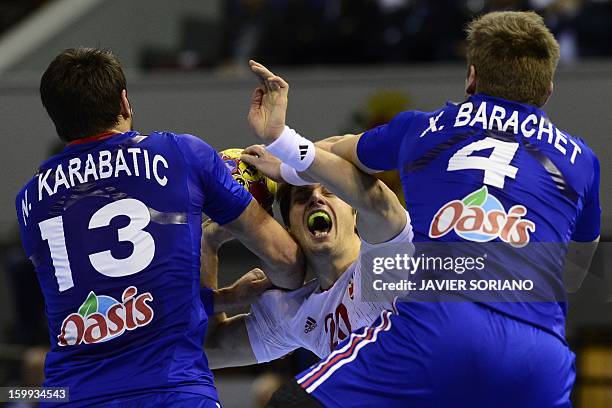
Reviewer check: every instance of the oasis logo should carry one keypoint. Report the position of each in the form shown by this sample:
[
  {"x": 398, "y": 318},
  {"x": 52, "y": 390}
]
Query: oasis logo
[
  {"x": 102, "y": 318},
  {"x": 480, "y": 217}
]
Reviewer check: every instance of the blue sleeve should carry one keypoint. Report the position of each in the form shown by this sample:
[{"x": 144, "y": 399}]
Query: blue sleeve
[
  {"x": 224, "y": 198},
  {"x": 588, "y": 225},
  {"x": 208, "y": 300},
  {"x": 379, "y": 148}
]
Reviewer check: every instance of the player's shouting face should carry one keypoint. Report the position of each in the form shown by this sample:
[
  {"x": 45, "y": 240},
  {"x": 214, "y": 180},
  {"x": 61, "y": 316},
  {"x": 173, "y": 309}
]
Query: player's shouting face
[{"x": 318, "y": 220}]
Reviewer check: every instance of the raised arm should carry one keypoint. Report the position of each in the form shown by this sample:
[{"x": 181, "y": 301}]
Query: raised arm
[
  {"x": 346, "y": 148},
  {"x": 380, "y": 215}
]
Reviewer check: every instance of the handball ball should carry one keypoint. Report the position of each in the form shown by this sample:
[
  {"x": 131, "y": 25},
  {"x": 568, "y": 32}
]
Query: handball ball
[{"x": 261, "y": 187}]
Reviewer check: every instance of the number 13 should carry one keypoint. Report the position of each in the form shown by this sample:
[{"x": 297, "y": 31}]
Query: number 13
[{"x": 52, "y": 230}]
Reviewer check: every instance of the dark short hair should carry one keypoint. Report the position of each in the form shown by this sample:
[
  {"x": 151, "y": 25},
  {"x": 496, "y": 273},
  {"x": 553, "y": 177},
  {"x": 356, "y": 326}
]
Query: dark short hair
[
  {"x": 283, "y": 197},
  {"x": 81, "y": 91}
]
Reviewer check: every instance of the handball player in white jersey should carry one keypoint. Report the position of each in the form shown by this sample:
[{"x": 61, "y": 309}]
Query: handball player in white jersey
[{"x": 333, "y": 236}]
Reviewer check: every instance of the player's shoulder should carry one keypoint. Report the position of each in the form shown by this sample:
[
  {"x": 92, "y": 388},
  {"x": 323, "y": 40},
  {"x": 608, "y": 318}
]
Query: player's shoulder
[
  {"x": 583, "y": 164},
  {"x": 405, "y": 236},
  {"x": 194, "y": 150},
  {"x": 418, "y": 122},
  {"x": 408, "y": 118},
  {"x": 182, "y": 139},
  {"x": 585, "y": 149},
  {"x": 426, "y": 115}
]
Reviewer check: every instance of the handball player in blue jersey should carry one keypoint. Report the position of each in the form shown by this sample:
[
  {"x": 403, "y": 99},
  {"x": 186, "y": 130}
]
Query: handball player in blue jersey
[
  {"x": 113, "y": 227},
  {"x": 493, "y": 168}
]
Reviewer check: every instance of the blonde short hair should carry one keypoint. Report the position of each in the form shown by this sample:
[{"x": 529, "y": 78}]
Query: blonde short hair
[{"x": 515, "y": 56}]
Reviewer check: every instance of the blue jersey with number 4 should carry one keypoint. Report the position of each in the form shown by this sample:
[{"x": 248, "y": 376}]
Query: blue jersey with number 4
[
  {"x": 113, "y": 228},
  {"x": 494, "y": 170}
]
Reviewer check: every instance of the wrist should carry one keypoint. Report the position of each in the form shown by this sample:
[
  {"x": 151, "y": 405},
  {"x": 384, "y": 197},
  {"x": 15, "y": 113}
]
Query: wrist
[
  {"x": 222, "y": 300},
  {"x": 291, "y": 176},
  {"x": 293, "y": 149},
  {"x": 273, "y": 135}
]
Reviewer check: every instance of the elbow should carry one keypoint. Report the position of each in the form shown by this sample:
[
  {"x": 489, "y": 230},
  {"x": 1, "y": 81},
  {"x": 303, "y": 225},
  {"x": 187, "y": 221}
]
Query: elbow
[
  {"x": 288, "y": 270},
  {"x": 289, "y": 279},
  {"x": 377, "y": 198}
]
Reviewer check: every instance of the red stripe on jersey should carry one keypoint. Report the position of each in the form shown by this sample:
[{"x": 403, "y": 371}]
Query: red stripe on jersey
[{"x": 93, "y": 138}]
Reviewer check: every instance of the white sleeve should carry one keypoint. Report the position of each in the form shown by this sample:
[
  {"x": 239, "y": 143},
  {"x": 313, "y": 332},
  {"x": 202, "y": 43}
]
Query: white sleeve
[
  {"x": 267, "y": 332},
  {"x": 406, "y": 235}
]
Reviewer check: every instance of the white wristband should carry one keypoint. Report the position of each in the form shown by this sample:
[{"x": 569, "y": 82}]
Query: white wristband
[
  {"x": 291, "y": 176},
  {"x": 293, "y": 149}
]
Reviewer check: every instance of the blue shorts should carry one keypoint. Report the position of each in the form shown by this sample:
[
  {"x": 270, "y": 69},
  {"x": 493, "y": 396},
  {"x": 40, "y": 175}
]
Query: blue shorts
[
  {"x": 457, "y": 354},
  {"x": 162, "y": 400}
]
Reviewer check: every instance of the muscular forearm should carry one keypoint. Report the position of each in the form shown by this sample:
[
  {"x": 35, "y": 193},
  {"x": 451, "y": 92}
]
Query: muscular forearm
[
  {"x": 329, "y": 142},
  {"x": 260, "y": 233},
  {"x": 226, "y": 300},
  {"x": 209, "y": 260}
]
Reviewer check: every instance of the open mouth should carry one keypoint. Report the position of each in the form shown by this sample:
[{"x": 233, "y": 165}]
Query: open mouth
[{"x": 319, "y": 223}]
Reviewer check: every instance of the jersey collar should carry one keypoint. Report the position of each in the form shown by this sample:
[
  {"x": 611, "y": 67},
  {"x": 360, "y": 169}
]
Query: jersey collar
[
  {"x": 84, "y": 144},
  {"x": 94, "y": 138},
  {"x": 511, "y": 105}
]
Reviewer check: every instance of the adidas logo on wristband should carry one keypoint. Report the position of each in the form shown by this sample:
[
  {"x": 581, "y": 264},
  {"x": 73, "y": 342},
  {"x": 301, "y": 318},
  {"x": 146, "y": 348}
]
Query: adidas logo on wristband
[{"x": 303, "y": 151}]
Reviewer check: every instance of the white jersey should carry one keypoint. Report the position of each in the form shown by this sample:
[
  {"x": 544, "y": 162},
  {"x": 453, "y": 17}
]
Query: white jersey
[{"x": 282, "y": 321}]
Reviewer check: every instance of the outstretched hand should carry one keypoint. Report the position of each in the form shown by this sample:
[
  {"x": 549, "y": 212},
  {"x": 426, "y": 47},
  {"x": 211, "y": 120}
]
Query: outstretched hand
[
  {"x": 268, "y": 104},
  {"x": 264, "y": 161}
]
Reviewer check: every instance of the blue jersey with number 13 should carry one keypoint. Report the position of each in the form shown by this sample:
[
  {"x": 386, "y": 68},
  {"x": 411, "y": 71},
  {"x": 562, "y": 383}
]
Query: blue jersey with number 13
[{"x": 113, "y": 228}]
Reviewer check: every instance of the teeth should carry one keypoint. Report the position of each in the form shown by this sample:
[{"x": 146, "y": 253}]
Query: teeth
[{"x": 319, "y": 234}]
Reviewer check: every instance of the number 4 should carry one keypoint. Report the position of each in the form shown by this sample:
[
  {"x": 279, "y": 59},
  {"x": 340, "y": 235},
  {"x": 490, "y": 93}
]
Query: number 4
[{"x": 496, "y": 167}]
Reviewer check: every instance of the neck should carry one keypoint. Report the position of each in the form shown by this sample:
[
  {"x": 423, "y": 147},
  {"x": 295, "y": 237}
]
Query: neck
[
  {"x": 329, "y": 266},
  {"x": 120, "y": 128},
  {"x": 123, "y": 125}
]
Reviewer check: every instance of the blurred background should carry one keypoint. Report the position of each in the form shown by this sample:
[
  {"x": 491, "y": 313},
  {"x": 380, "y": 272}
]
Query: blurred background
[{"x": 352, "y": 64}]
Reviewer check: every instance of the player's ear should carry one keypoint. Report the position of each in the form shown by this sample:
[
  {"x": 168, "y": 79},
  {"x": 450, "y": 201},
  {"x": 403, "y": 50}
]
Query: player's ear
[
  {"x": 551, "y": 88},
  {"x": 126, "y": 109},
  {"x": 470, "y": 82}
]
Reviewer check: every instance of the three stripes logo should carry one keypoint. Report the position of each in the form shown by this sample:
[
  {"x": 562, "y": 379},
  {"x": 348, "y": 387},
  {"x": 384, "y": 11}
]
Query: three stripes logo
[
  {"x": 310, "y": 325},
  {"x": 303, "y": 151}
]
